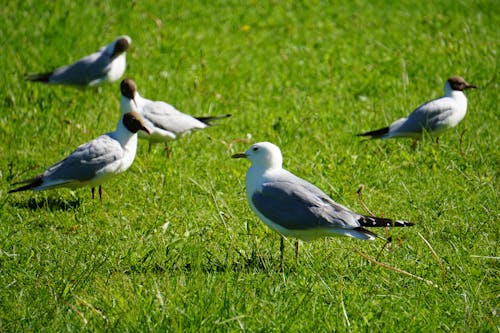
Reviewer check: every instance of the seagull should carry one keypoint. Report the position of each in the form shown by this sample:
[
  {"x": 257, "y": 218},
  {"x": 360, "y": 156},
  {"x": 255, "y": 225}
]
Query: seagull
[
  {"x": 434, "y": 116},
  {"x": 295, "y": 208},
  {"x": 164, "y": 121},
  {"x": 93, "y": 162},
  {"x": 107, "y": 64}
]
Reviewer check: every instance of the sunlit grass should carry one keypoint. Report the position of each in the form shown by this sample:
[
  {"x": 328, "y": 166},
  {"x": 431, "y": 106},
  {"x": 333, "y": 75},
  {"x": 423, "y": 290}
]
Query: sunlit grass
[{"x": 174, "y": 246}]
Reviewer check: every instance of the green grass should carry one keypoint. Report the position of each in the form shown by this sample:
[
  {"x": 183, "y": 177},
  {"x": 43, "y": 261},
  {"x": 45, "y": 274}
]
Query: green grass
[{"x": 174, "y": 246}]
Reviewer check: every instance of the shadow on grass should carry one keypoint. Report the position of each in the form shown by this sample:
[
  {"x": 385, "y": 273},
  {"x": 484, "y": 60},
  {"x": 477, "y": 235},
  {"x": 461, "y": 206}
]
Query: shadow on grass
[
  {"x": 245, "y": 264},
  {"x": 255, "y": 263},
  {"x": 49, "y": 203}
]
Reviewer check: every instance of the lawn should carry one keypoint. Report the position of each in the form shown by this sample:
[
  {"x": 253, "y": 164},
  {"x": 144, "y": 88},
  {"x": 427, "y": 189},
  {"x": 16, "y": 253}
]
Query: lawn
[{"x": 174, "y": 246}]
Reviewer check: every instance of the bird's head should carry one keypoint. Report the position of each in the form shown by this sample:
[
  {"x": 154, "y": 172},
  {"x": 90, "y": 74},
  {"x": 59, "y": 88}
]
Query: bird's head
[
  {"x": 263, "y": 154},
  {"x": 134, "y": 123},
  {"x": 128, "y": 88},
  {"x": 458, "y": 83},
  {"x": 121, "y": 45}
]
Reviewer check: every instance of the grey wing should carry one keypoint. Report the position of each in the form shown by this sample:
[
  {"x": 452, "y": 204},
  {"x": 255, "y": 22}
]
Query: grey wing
[
  {"x": 166, "y": 117},
  {"x": 83, "y": 71},
  {"x": 297, "y": 204},
  {"x": 86, "y": 161},
  {"x": 428, "y": 116}
]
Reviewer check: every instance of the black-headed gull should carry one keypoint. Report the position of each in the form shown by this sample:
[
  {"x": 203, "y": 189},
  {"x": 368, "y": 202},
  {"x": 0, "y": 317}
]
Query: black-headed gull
[
  {"x": 295, "y": 208},
  {"x": 107, "y": 64},
  {"x": 93, "y": 162},
  {"x": 434, "y": 116},
  {"x": 164, "y": 121}
]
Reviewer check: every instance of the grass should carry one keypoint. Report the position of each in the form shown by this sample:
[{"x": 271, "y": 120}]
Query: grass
[{"x": 174, "y": 246}]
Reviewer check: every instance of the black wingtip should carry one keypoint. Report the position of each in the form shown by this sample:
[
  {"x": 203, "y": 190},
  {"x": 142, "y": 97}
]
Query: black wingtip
[
  {"x": 369, "y": 221},
  {"x": 208, "y": 120},
  {"x": 38, "y": 77},
  {"x": 401, "y": 224},
  {"x": 368, "y": 233},
  {"x": 30, "y": 184},
  {"x": 376, "y": 133}
]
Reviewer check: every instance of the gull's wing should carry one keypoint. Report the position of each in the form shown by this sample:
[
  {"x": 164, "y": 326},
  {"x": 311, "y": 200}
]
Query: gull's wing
[
  {"x": 168, "y": 118},
  {"x": 85, "y": 163},
  {"x": 429, "y": 116},
  {"x": 89, "y": 69},
  {"x": 296, "y": 204}
]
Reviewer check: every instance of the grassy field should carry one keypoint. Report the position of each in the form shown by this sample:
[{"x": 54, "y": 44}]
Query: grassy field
[{"x": 175, "y": 246}]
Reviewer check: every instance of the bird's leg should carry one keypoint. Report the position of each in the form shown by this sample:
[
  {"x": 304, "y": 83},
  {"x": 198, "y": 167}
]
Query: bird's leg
[
  {"x": 100, "y": 193},
  {"x": 92, "y": 190},
  {"x": 387, "y": 245},
  {"x": 414, "y": 144},
  {"x": 149, "y": 147},
  {"x": 282, "y": 249},
  {"x": 296, "y": 249}
]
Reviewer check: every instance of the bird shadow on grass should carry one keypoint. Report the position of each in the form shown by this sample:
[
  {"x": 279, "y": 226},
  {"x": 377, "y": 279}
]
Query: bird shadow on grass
[
  {"x": 209, "y": 264},
  {"x": 49, "y": 203},
  {"x": 246, "y": 263}
]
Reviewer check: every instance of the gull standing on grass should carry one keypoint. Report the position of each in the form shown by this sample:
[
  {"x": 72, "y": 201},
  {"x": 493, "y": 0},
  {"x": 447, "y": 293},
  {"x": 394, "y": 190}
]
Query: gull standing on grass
[
  {"x": 434, "y": 116},
  {"x": 107, "y": 64},
  {"x": 164, "y": 121},
  {"x": 93, "y": 162},
  {"x": 294, "y": 207}
]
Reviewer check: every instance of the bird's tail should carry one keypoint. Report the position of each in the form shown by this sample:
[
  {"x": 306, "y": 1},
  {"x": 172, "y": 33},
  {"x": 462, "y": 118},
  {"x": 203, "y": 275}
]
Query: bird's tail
[
  {"x": 29, "y": 184},
  {"x": 38, "y": 77},
  {"x": 369, "y": 221},
  {"x": 375, "y": 134},
  {"x": 208, "y": 120}
]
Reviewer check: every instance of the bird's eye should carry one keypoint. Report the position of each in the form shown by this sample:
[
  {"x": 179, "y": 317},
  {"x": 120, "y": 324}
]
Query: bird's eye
[{"x": 255, "y": 148}]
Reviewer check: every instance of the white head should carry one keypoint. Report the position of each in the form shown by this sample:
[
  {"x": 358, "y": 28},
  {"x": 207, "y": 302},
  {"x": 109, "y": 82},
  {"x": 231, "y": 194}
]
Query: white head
[{"x": 263, "y": 154}]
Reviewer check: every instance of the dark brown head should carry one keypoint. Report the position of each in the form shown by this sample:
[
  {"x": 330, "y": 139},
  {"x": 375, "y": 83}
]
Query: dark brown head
[
  {"x": 128, "y": 88},
  {"x": 133, "y": 122},
  {"x": 121, "y": 45},
  {"x": 458, "y": 83}
]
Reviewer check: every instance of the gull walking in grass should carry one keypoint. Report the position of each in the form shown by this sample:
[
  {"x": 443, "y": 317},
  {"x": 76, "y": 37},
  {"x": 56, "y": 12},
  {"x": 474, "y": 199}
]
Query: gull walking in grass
[
  {"x": 434, "y": 116},
  {"x": 294, "y": 207},
  {"x": 107, "y": 64},
  {"x": 93, "y": 162},
  {"x": 164, "y": 121}
]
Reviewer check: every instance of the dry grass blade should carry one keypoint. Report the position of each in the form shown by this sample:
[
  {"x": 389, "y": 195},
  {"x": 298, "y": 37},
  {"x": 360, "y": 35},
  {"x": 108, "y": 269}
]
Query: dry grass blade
[
  {"x": 439, "y": 261},
  {"x": 360, "y": 196},
  {"x": 397, "y": 270},
  {"x": 78, "y": 312}
]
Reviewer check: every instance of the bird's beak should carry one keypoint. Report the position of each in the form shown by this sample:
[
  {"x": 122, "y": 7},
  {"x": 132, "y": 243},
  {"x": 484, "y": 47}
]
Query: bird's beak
[
  {"x": 470, "y": 86},
  {"x": 239, "y": 155},
  {"x": 135, "y": 103},
  {"x": 145, "y": 129}
]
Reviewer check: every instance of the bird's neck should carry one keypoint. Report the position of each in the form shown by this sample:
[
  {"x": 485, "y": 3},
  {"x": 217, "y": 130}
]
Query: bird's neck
[
  {"x": 139, "y": 99},
  {"x": 459, "y": 97},
  {"x": 128, "y": 105},
  {"x": 128, "y": 141},
  {"x": 256, "y": 174},
  {"x": 126, "y": 138}
]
